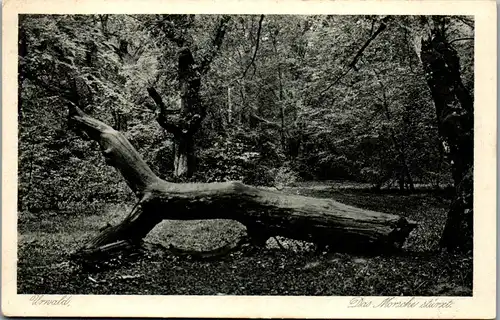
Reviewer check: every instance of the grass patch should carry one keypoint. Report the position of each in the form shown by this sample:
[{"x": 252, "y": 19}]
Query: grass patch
[{"x": 45, "y": 240}]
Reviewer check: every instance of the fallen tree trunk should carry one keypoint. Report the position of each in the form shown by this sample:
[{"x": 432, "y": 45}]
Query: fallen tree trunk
[{"x": 265, "y": 213}]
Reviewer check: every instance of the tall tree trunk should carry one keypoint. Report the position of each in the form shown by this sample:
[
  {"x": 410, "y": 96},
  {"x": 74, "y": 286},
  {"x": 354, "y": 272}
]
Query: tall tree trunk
[
  {"x": 189, "y": 82},
  {"x": 454, "y": 110},
  {"x": 408, "y": 131},
  {"x": 399, "y": 146},
  {"x": 184, "y": 123},
  {"x": 281, "y": 94}
]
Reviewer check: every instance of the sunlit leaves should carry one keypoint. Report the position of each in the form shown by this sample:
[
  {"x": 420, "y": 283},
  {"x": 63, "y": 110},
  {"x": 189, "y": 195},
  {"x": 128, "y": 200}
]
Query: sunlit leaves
[{"x": 358, "y": 125}]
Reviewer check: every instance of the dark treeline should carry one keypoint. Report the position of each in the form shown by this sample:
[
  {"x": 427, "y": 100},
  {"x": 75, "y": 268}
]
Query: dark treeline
[{"x": 268, "y": 100}]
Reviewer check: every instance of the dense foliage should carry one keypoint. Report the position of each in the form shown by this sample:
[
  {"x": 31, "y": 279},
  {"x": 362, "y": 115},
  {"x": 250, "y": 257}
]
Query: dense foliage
[{"x": 285, "y": 101}]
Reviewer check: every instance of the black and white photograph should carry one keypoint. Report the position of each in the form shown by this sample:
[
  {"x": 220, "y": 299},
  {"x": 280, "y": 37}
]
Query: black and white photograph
[{"x": 192, "y": 154}]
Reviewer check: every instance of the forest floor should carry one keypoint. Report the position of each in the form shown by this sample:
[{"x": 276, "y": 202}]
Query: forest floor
[{"x": 45, "y": 241}]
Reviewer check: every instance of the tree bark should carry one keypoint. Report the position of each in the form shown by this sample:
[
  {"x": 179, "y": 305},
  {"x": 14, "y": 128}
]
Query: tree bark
[
  {"x": 184, "y": 124},
  {"x": 265, "y": 213},
  {"x": 183, "y": 156},
  {"x": 189, "y": 83},
  {"x": 455, "y": 117}
]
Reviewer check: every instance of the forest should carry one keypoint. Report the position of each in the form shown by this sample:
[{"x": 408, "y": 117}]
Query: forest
[{"x": 245, "y": 154}]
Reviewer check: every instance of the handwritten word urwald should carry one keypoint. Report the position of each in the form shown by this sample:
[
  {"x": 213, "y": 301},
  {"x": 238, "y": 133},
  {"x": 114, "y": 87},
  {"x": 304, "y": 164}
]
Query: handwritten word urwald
[
  {"x": 41, "y": 300},
  {"x": 397, "y": 302}
]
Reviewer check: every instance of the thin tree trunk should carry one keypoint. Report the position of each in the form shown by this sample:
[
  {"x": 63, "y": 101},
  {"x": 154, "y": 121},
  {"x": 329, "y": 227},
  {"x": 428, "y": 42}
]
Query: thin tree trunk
[
  {"x": 22, "y": 52},
  {"x": 281, "y": 102},
  {"x": 411, "y": 185},
  {"x": 406, "y": 175},
  {"x": 398, "y": 146},
  {"x": 229, "y": 107},
  {"x": 401, "y": 179}
]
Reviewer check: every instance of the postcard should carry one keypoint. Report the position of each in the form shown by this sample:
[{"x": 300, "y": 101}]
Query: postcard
[{"x": 275, "y": 159}]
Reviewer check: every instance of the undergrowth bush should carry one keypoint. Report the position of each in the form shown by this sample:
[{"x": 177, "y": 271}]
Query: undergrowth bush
[
  {"x": 242, "y": 156},
  {"x": 284, "y": 176}
]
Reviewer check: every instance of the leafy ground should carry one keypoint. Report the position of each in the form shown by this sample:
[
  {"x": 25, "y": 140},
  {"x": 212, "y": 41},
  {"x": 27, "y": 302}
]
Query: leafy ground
[{"x": 45, "y": 240}]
